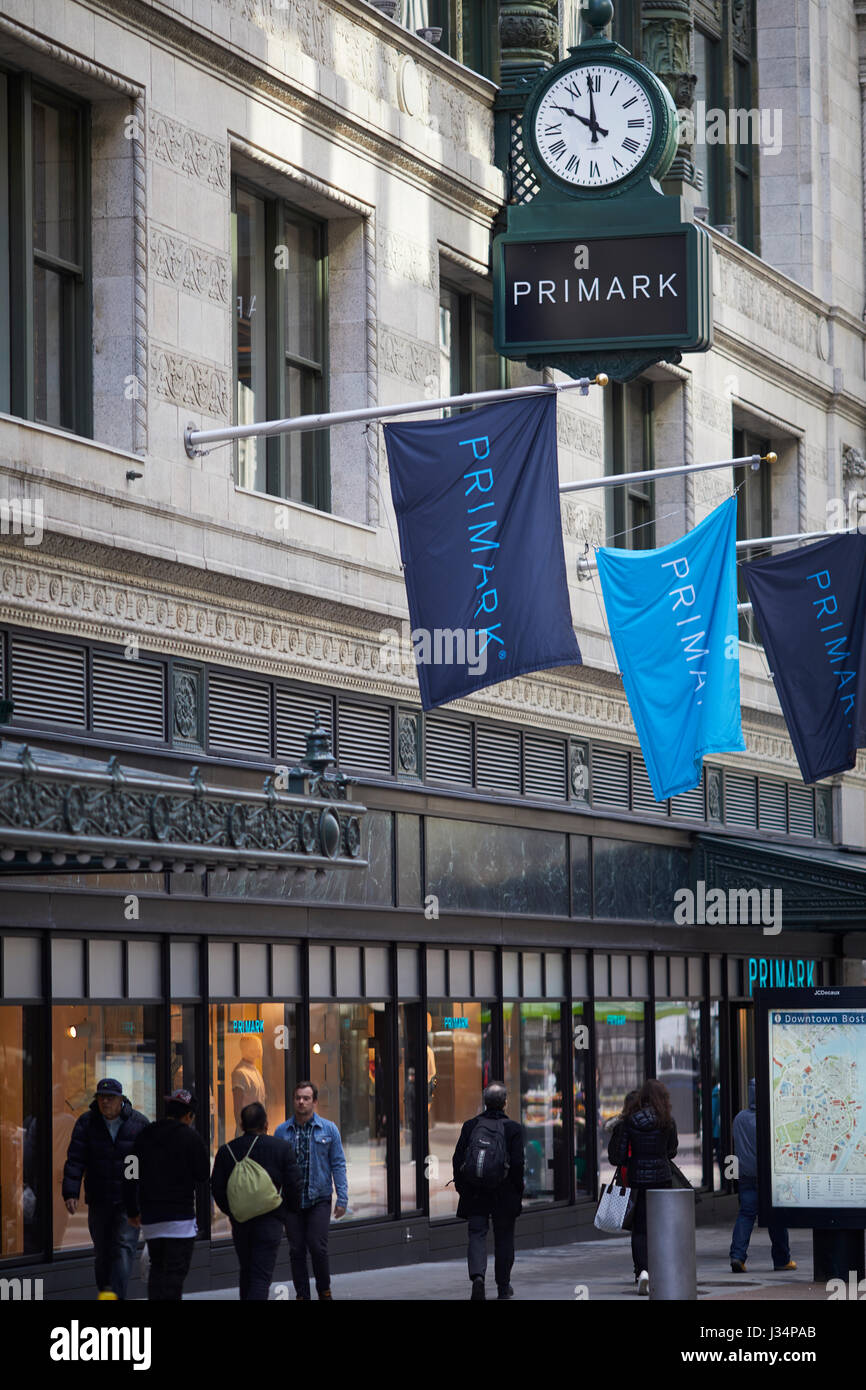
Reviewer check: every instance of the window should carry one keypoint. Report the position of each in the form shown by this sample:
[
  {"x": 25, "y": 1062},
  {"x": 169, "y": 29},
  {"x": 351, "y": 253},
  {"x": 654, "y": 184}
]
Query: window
[
  {"x": 744, "y": 197},
  {"x": 22, "y": 1194},
  {"x": 709, "y": 158},
  {"x": 754, "y": 517},
  {"x": 351, "y": 1065},
  {"x": 678, "y": 1065},
  {"x": 630, "y": 448},
  {"x": 534, "y": 1072},
  {"x": 467, "y": 359},
  {"x": 280, "y": 286},
  {"x": 470, "y": 32},
  {"x": 459, "y": 1055},
  {"x": 44, "y": 254}
]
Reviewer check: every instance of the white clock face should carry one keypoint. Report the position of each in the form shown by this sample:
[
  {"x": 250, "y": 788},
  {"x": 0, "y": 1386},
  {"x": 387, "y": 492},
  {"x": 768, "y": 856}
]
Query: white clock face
[{"x": 593, "y": 126}]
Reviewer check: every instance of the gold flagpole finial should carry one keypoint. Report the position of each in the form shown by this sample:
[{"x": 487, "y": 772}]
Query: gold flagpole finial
[
  {"x": 601, "y": 379},
  {"x": 769, "y": 458}
]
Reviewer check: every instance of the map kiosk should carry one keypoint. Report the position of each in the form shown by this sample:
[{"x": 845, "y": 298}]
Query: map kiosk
[{"x": 810, "y": 1048}]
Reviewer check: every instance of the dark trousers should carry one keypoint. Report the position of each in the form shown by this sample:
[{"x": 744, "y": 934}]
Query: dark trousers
[
  {"x": 503, "y": 1246},
  {"x": 639, "y": 1252},
  {"x": 169, "y": 1265},
  {"x": 746, "y": 1218},
  {"x": 257, "y": 1242},
  {"x": 114, "y": 1244},
  {"x": 308, "y": 1230}
]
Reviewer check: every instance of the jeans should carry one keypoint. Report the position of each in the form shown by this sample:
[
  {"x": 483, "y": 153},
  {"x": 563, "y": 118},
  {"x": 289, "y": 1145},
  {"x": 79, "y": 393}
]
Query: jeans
[
  {"x": 308, "y": 1230},
  {"x": 503, "y": 1247},
  {"x": 746, "y": 1219},
  {"x": 639, "y": 1243},
  {"x": 257, "y": 1242},
  {"x": 114, "y": 1243},
  {"x": 170, "y": 1259}
]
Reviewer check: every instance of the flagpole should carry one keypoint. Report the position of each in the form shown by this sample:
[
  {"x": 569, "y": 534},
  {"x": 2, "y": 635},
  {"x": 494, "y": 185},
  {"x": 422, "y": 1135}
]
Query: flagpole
[
  {"x": 618, "y": 479},
  {"x": 585, "y": 566},
  {"x": 193, "y": 438}
]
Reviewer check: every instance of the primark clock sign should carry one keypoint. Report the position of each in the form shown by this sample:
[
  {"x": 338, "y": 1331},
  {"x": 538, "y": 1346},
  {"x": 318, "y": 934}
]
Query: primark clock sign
[{"x": 601, "y": 271}]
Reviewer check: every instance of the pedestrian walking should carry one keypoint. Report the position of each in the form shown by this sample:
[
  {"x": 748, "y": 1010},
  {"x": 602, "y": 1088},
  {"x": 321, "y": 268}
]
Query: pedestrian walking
[
  {"x": 256, "y": 1197},
  {"x": 645, "y": 1142},
  {"x": 488, "y": 1168},
  {"x": 101, "y": 1140},
  {"x": 746, "y": 1149},
  {"x": 160, "y": 1194},
  {"x": 319, "y": 1151}
]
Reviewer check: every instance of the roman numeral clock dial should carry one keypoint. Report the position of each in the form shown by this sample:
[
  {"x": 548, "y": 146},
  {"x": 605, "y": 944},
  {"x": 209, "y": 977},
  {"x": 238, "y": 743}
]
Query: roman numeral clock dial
[{"x": 593, "y": 126}]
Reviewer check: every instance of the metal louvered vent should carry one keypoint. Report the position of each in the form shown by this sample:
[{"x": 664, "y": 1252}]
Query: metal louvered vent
[
  {"x": 689, "y": 805},
  {"x": 642, "y": 798},
  {"x": 128, "y": 697},
  {"x": 772, "y": 807},
  {"x": 610, "y": 778},
  {"x": 447, "y": 751},
  {"x": 801, "y": 810},
  {"x": 49, "y": 682},
  {"x": 497, "y": 760},
  {"x": 364, "y": 737},
  {"x": 544, "y": 767},
  {"x": 296, "y": 712},
  {"x": 239, "y": 715},
  {"x": 741, "y": 801}
]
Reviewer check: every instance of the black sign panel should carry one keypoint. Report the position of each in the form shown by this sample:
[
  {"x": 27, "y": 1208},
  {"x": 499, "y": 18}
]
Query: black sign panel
[{"x": 595, "y": 289}]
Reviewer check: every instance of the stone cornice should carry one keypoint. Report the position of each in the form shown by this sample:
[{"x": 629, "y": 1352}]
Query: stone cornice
[{"x": 222, "y": 56}]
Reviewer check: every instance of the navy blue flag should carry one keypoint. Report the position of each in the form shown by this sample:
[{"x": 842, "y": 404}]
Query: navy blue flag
[
  {"x": 477, "y": 504},
  {"x": 810, "y": 607}
]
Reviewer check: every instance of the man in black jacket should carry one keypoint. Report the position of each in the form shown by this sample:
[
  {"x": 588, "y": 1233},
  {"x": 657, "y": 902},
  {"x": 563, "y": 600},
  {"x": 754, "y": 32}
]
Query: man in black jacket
[
  {"x": 495, "y": 1195},
  {"x": 101, "y": 1142},
  {"x": 160, "y": 1195},
  {"x": 258, "y": 1240}
]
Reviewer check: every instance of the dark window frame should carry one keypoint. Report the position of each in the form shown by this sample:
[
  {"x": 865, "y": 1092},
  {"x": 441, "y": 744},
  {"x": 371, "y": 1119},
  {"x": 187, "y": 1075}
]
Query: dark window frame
[
  {"x": 19, "y": 259},
  {"x": 316, "y": 473}
]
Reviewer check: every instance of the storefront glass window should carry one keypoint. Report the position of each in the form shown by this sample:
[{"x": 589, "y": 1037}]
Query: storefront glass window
[
  {"x": 407, "y": 1033},
  {"x": 716, "y": 1098},
  {"x": 21, "y": 1212},
  {"x": 253, "y": 1053},
  {"x": 350, "y": 1063},
  {"x": 89, "y": 1042},
  {"x": 620, "y": 1061},
  {"x": 459, "y": 1050},
  {"x": 533, "y": 1072},
  {"x": 678, "y": 1065},
  {"x": 181, "y": 1062},
  {"x": 580, "y": 1036}
]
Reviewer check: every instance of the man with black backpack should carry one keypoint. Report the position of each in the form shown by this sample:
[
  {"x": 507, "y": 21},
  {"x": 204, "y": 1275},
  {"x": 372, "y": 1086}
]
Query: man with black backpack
[
  {"x": 256, "y": 1181},
  {"x": 488, "y": 1174}
]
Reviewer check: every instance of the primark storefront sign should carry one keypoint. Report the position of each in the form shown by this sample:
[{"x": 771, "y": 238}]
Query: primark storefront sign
[{"x": 617, "y": 292}]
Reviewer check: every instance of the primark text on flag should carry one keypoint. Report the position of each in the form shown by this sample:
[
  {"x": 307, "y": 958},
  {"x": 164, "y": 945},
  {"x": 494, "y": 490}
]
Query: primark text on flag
[{"x": 672, "y": 614}]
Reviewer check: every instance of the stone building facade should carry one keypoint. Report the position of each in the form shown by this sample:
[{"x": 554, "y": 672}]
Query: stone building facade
[{"x": 198, "y": 610}]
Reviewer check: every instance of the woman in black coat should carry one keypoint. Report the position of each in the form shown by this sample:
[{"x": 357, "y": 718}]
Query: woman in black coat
[{"x": 645, "y": 1141}]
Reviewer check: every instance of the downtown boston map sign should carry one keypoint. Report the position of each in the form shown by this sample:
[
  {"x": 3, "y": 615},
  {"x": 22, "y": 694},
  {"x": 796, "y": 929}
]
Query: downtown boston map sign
[{"x": 811, "y": 1098}]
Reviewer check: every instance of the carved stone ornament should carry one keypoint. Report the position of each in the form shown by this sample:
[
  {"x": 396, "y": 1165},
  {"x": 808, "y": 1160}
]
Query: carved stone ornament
[
  {"x": 528, "y": 33},
  {"x": 853, "y": 463},
  {"x": 714, "y": 793},
  {"x": 187, "y": 703},
  {"x": 579, "y": 771},
  {"x": 67, "y": 809},
  {"x": 408, "y": 745}
]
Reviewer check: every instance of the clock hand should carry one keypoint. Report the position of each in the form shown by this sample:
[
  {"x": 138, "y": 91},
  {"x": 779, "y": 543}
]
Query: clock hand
[
  {"x": 568, "y": 111},
  {"x": 592, "y": 122}
]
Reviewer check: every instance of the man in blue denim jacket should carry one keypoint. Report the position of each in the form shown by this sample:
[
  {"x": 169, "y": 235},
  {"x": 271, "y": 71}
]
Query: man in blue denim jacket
[{"x": 323, "y": 1166}]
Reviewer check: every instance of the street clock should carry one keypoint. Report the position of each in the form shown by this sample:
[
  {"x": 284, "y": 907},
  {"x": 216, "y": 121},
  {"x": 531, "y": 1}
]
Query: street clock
[{"x": 596, "y": 126}]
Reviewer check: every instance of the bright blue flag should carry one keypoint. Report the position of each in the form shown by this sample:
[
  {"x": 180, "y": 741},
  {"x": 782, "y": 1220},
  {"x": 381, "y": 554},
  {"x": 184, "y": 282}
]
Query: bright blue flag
[
  {"x": 673, "y": 619},
  {"x": 477, "y": 504}
]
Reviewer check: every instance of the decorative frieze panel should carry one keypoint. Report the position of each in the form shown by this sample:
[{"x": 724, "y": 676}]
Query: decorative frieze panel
[
  {"x": 583, "y": 523},
  {"x": 188, "y": 382},
  {"x": 713, "y": 410},
  {"x": 181, "y": 263},
  {"x": 769, "y": 306},
  {"x": 410, "y": 359},
  {"x": 188, "y": 152},
  {"x": 578, "y": 432},
  {"x": 409, "y": 260}
]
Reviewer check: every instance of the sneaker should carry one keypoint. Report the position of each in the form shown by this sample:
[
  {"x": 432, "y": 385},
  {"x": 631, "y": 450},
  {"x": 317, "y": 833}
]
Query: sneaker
[
  {"x": 643, "y": 1282},
  {"x": 505, "y": 1291},
  {"x": 477, "y": 1289},
  {"x": 792, "y": 1264},
  {"x": 738, "y": 1266}
]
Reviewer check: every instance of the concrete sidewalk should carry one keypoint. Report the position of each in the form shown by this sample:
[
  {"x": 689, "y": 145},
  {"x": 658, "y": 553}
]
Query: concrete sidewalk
[{"x": 593, "y": 1270}]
